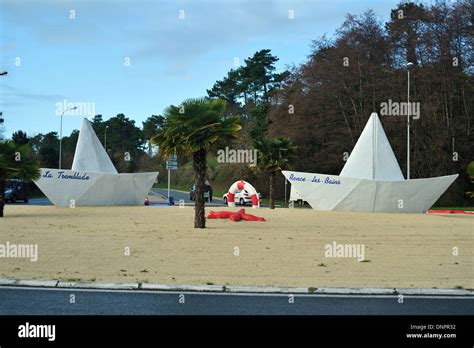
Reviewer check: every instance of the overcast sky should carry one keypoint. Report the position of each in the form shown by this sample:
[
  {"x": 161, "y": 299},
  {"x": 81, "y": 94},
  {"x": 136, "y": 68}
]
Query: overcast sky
[{"x": 137, "y": 57}]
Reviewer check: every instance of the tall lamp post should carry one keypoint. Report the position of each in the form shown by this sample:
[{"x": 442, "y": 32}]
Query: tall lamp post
[
  {"x": 2, "y": 73},
  {"x": 2, "y": 203},
  {"x": 409, "y": 65},
  {"x": 61, "y": 133},
  {"x": 105, "y": 138}
]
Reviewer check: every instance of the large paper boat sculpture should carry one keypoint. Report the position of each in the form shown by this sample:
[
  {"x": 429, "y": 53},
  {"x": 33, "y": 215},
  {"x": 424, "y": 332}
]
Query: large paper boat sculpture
[
  {"x": 371, "y": 180},
  {"x": 93, "y": 179}
]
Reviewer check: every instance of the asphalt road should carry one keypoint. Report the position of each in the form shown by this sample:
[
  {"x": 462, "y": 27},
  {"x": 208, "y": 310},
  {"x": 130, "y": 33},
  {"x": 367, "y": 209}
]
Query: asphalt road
[
  {"x": 177, "y": 195},
  {"x": 46, "y": 301},
  {"x": 35, "y": 201},
  {"x": 163, "y": 192}
]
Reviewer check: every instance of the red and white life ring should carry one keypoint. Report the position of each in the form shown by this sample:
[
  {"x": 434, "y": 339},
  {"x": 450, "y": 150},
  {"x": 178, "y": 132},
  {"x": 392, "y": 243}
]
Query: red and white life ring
[{"x": 241, "y": 185}]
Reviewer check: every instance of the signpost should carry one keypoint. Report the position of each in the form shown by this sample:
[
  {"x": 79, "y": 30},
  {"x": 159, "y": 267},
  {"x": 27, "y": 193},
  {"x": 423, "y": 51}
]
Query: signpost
[{"x": 171, "y": 164}]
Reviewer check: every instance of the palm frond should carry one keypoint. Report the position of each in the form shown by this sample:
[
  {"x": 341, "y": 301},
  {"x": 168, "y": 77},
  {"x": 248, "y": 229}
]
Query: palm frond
[{"x": 197, "y": 123}]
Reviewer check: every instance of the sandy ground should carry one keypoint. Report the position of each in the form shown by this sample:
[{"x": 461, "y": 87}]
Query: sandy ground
[{"x": 401, "y": 250}]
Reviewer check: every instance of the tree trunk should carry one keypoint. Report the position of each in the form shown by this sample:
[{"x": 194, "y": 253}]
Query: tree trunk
[
  {"x": 2, "y": 193},
  {"x": 199, "y": 167},
  {"x": 272, "y": 203}
]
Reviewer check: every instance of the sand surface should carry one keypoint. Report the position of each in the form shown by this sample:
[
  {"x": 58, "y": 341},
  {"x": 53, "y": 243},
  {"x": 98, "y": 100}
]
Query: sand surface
[{"x": 90, "y": 243}]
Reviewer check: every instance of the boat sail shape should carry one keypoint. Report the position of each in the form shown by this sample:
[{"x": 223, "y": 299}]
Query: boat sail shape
[
  {"x": 371, "y": 180},
  {"x": 93, "y": 179}
]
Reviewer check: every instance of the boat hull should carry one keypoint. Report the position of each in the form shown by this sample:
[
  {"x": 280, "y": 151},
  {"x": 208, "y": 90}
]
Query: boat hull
[
  {"x": 71, "y": 188},
  {"x": 332, "y": 192}
]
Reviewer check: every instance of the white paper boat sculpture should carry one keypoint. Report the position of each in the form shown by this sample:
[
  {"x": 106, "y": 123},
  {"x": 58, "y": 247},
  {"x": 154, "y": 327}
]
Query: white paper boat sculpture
[
  {"x": 371, "y": 180},
  {"x": 93, "y": 179}
]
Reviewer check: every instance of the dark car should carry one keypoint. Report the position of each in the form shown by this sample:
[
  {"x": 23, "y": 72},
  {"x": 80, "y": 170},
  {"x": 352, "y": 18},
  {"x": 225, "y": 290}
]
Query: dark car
[
  {"x": 16, "y": 190},
  {"x": 207, "y": 193}
]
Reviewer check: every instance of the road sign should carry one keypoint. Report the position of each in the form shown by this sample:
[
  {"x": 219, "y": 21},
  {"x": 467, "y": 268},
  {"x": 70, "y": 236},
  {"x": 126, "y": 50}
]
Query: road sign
[
  {"x": 172, "y": 162},
  {"x": 171, "y": 166}
]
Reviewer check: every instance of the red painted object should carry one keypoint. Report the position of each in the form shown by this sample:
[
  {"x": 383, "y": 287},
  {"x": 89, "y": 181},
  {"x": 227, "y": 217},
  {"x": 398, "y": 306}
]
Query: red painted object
[
  {"x": 220, "y": 214},
  {"x": 250, "y": 217},
  {"x": 249, "y": 190},
  {"x": 450, "y": 212},
  {"x": 232, "y": 216}
]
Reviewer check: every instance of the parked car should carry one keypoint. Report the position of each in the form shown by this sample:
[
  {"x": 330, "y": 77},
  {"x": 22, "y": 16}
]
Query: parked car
[
  {"x": 207, "y": 193},
  {"x": 16, "y": 190},
  {"x": 242, "y": 197}
]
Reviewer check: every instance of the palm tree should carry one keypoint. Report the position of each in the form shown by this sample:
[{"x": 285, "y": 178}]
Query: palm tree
[
  {"x": 15, "y": 161},
  {"x": 193, "y": 128},
  {"x": 274, "y": 155}
]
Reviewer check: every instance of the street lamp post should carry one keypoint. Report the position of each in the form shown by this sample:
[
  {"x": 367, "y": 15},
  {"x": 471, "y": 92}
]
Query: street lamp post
[
  {"x": 2, "y": 73},
  {"x": 409, "y": 65},
  {"x": 105, "y": 138},
  {"x": 61, "y": 134}
]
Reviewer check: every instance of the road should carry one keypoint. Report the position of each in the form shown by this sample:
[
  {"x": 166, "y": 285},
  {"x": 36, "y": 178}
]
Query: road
[
  {"x": 54, "y": 301},
  {"x": 35, "y": 201},
  {"x": 177, "y": 195},
  {"x": 163, "y": 192}
]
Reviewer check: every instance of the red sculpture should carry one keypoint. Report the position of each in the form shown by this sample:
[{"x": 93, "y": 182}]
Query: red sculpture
[{"x": 234, "y": 216}]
